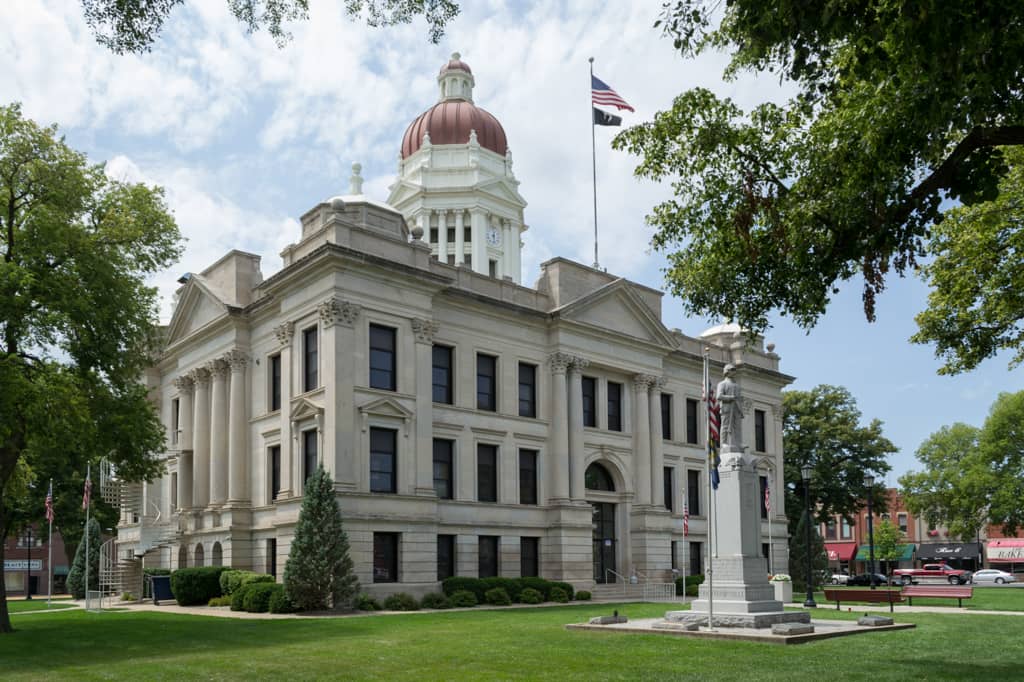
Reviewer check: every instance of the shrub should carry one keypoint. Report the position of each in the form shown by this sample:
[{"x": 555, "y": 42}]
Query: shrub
[
  {"x": 400, "y": 601},
  {"x": 463, "y": 598},
  {"x": 238, "y": 598},
  {"x": 559, "y": 595},
  {"x": 565, "y": 587},
  {"x": 279, "y": 602},
  {"x": 534, "y": 583},
  {"x": 198, "y": 585},
  {"x": 319, "y": 572},
  {"x": 498, "y": 597},
  {"x": 220, "y": 601},
  {"x": 76, "y": 576},
  {"x": 530, "y": 596},
  {"x": 583, "y": 595},
  {"x": 459, "y": 584},
  {"x": 257, "y": 597},
  {"x": 367, "y": 603},
  {"x": 435, "y": 600},
  {"x": 512, "y": 586}
]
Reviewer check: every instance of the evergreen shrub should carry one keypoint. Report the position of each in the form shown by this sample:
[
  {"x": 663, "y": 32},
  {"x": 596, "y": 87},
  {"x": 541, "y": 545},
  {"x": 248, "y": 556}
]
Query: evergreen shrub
[
  {"x": 279, "y": 600},
  {"x": 459, "y": 584},
  {"x": 257, "y": 597},
  {"x": 583, "y": 595},
  {"x": 497, "y": 596},
  {"x": 540, "y": 584},
  {"x": 400, "y": 601},
  {"x": 435, "y": 600},
  {"x": 530, "y": 596},
  {"x": 463, "y": 598},
  {"x": 565, "y": 587},
  {"x": 220, "y": 601},
  {"x": 368, "y": 603},
  {"x": 238, "y": 598},
  {"x": 559, "y": 595},
  {"x": 76, "y": 576},
  {"x": 198, "y": 585}
]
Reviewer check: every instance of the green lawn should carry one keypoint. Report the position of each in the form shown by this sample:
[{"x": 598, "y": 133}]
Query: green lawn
[
  {"x": 22, "y": 606},
  {"x": 529, "y": 644},
  {"x": 984, "y": 599}
]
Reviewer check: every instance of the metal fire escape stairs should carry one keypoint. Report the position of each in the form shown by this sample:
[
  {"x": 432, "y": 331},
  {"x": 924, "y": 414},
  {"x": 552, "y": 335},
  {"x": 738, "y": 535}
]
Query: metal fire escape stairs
[{"x": 139, "y": 534}]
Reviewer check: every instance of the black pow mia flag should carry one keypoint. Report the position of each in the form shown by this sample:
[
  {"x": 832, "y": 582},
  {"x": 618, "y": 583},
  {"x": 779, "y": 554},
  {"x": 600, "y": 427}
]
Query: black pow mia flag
[{"x": 603, "y": 118}]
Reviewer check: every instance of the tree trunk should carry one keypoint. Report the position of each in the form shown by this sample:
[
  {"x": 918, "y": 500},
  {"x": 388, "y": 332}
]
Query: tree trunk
[{"x": 5, "y": 617}]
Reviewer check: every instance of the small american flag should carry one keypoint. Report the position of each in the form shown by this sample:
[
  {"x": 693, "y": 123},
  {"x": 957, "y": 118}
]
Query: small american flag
[
  {"x": 767, "y": 499},
  {"x": 49, "y": 504},
  {"x": 713, "y": 421},
  {"x": 88, "y": 493},
  {"x": 686, "y": 518},
  {"x": 601, "y": 93}
]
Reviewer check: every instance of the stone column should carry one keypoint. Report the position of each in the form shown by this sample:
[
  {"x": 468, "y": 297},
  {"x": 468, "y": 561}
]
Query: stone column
[
  {"x": 201, "y": 439},
  {"x": 460, "y": 239},
  {"x": 657, "y": 452},
  {"x": 337, "y": 319},
  {"x": 185, "y": 388},
  {"x": 284, "y": 333},
  {"x": 238, "y": 480},
  {"x": 642, "y": 439},
  {"x": 442, "y": 236},
  {"x": 478, "y": 220},
  {"x": 513, "y": 248},
  {"x": 219, "y": 432},
  {"x": 506, "y": 241},
  {"x": 558, "y": 449},
  {"x": 577, "y": 487},
  {"x": 424, "y": 331}
]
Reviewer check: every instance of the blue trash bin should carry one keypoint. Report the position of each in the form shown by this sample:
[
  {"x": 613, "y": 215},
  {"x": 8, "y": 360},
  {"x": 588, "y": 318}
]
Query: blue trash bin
[{"x": 161, "y": 587}]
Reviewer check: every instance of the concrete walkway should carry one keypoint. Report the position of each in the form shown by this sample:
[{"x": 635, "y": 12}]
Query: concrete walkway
[{"x": 825, "y": 607}]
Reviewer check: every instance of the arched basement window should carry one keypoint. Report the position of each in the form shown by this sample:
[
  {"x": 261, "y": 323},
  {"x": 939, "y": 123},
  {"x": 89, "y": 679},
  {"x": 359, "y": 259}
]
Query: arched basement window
[{"x": 598, "y": 478}]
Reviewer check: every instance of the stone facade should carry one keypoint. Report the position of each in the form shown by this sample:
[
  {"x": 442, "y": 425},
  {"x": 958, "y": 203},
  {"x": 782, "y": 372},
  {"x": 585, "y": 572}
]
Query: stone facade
[{"x": 262, "y": 378}]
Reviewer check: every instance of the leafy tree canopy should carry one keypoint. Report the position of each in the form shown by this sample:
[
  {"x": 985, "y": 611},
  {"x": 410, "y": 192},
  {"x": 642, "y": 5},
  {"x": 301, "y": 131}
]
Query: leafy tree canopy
[
  {"x": 888, "y": 541},
  {"x": 125, "y": 26},
  {"x": 76, "y": 318},
  {"x": 898, "y": 108},
  {"x": 822, "y": 427}
]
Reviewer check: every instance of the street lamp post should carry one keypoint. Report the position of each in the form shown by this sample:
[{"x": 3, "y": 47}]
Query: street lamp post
[
  {"x": 869, "y": 482},
  {"x": 28, "y": 564},
  {"x": 805, "y": 472}
]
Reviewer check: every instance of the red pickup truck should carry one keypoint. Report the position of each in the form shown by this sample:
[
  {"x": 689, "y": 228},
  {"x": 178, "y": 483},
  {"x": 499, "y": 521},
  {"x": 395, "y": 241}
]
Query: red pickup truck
[{"x": 931, "y": 573}]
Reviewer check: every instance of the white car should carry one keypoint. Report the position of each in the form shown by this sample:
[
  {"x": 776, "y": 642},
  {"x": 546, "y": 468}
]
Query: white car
[
  {"x": 839, "y": 579},
  {"x": 992, "y": 575}
]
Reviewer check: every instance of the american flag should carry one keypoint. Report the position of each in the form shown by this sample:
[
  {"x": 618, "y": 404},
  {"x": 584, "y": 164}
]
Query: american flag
[
  {"x": 88, "y": 493},
  {"x": 602, "y": 94},
  {"x": 49, "y": 504},
  {"x": 767, "y": 499},
  {"x": 713, "y": 443},
  {"x": 686, "y": 518}
]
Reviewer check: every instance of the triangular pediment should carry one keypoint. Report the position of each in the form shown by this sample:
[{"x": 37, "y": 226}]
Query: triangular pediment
[
  {"x": 386, "y": 407},
  {"x": 502, "y": 189},
  {"x": 197, "y": 307},
  {"x": 304, "y": 408},
  {"x": 616, "y": 308}
]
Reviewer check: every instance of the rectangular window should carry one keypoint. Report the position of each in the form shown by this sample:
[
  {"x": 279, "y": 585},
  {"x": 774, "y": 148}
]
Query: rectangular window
[
  {"x": 274, "y": 372},
  {"x": 310, "y": 359},
  {"x": 433, "y": 235},
  {"x": 382, "y": 358},
  {"x": 309, "y": 454},
  {"x": 174, "y": 491},
  {"x": 175, "y": 424},
  {"x": 442, "y": 375},
  {"x": 527, "y": 477},
  {"x": 487, "y": 473},
  {"x": 691, "y": 421},
  {"x": 589, "y": 401},
  {"x": 272, "y": 557},
  {"x": 488, "y": 560},
  {"x": 901, "y": 520},
  {"x": 275, "y": 471},
  {"x": 383, "y": 446},
  {"x": 693, "y": 492},
  {"x": 759, "y": 439},
  {"x": 385, "y": 557},
  {"x": 667, "y": 477},
  {"x": 674, "y": 559},
  {"x": 830, "y": 530},
  {"x": 527, "y": 390},
  {"x": 845, "y": 529},
  {"x": 443, "y": 483},
  {"x": 696, "y": 560},
  {"x": 529, "y": 559},
  {"x": 614, "y": 406},
  {"x": 763, "y": 480},
  {"x": 445, "y": 556},
  {"x": 492, "y": 268},
  {"x": 486, "y": 382},
  {"x": 666, "y": 416}
]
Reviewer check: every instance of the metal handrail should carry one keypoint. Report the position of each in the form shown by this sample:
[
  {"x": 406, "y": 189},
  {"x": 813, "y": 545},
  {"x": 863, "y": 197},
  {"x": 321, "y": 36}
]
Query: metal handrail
[{"x": 622, "y": 578}]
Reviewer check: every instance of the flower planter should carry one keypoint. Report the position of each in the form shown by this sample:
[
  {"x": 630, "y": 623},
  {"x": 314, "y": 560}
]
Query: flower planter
[{"x": 783, "y": 591}]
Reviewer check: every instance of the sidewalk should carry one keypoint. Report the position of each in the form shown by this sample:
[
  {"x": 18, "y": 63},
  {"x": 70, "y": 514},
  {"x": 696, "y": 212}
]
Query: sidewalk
[{"x": 903, "y": 608}]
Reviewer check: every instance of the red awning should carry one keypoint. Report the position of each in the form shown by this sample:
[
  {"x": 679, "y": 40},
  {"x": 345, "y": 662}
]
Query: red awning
[
  {"x": 1008, "y": 550},
  {"x": 840, "y": 551}
]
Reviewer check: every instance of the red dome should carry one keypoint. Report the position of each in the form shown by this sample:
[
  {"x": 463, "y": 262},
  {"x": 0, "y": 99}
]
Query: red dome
[
  {"x": 450, "y": 122},
  {"x": 456, "y": 64}
]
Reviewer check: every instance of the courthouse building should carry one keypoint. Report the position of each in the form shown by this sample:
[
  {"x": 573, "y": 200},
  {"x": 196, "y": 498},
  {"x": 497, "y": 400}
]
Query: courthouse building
[{"x": 473, "y": 425}]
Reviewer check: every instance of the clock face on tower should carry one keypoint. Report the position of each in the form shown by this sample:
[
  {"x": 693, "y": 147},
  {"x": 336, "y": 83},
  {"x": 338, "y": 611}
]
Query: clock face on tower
[{"x": 493, "y": 236}]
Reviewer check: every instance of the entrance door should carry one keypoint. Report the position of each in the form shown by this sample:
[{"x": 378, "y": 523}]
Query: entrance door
[{"x": 603, "y": 524}]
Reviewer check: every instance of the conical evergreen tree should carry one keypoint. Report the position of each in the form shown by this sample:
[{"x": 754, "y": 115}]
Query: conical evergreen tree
[
  {"x": 798, "y": 556},
  {"x": 319, "y": 572},
  {"x": 76, "y": 576}
]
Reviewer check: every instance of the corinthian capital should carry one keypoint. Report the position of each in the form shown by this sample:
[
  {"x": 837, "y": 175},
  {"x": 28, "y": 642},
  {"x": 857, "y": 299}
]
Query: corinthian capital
[
  {"x": 184, "y": 384},
  {"x": 336, "y": 311},
  {"x": 284, "y": 333},
  {"x": 217, "y": 368},
  {"x": 578, "y": 364},
  {"x": 559, "y": 362},
  {"x": 200, "y": 377},
  {"x": 643, "y": 382},
  {"x": 236, "y": 359},
  {"x": 424, "y": 330}
]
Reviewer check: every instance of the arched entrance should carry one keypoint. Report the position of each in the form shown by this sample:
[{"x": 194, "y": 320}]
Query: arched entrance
[
  {"x": 199, "y": 560},
  {"x": 217, "y": 555},
  {"x": 182, "y": 556},
  {"x": 598, "y": 478}
]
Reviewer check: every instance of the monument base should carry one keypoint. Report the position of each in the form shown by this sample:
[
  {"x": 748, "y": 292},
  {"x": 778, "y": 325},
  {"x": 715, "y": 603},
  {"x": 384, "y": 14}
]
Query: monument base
[{"x": 736, "y": 620}]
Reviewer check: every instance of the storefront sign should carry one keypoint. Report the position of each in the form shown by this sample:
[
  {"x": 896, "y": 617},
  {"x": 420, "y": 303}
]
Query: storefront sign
[
  {"x": 1005, "y": 551},
  {"x": 22, "y": 565}
]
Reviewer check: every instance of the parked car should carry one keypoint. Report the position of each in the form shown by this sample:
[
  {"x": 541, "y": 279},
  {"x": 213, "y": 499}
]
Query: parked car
[
  {"x": 839, "y": 579},
  {"x": 866, "y": 579},
  {"x": 939, "y": 572},
  {"x": 992, "y": 575}
]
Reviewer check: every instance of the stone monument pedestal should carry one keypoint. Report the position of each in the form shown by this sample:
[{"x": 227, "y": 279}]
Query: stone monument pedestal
[{"x": 737, "y": 592}]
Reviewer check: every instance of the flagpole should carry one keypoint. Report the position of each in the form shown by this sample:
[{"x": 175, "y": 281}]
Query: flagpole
[
  {"x": 88, "y": 503},
  {"x": 712, "y": 517},
  {"x": 49, "y": 555},
  {"x": 771, "y": 550},
  {"x": 593, "y": 159}
]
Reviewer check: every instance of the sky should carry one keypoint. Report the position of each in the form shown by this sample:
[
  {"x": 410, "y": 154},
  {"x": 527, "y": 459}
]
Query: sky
[{"x": 246, "y": 136}]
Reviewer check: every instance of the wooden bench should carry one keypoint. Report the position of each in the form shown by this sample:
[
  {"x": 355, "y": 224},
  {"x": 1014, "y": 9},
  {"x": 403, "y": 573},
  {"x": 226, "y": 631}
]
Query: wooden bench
[
  {"x": 939, "y": 591},
  {"x": 882, "y": 596}
]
